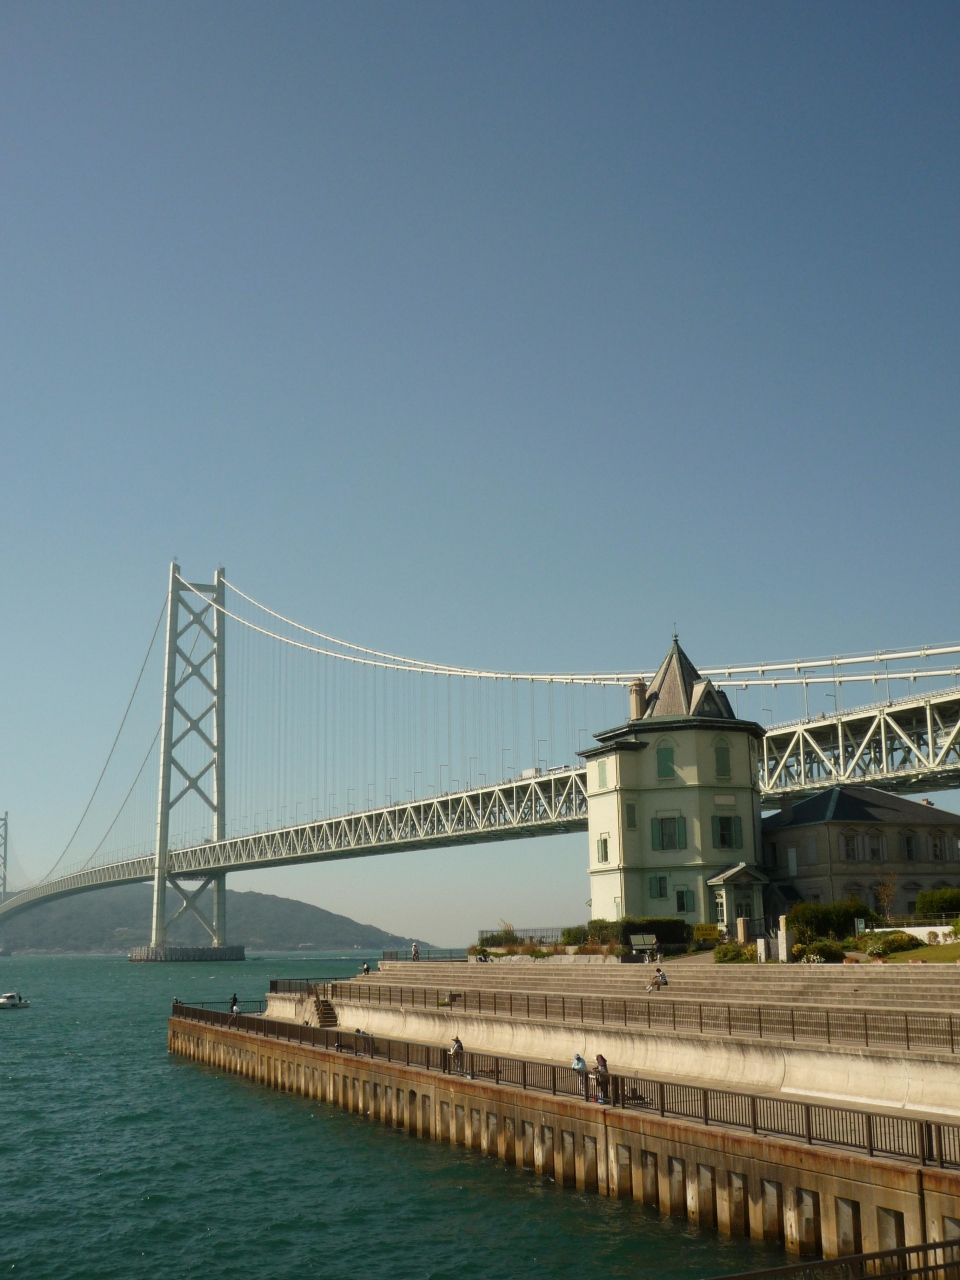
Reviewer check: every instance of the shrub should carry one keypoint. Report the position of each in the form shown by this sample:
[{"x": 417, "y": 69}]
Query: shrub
[
  {"x": 938, "y": 902},
  {"x": 505, "y": 938},
  {"x": 574, "y": 935},
  {"x": 885, "y": 944},
  {"x": 827, "y": 952},
  {"x": 734, "y": 953},
  {"x": 813, "y": 920}
]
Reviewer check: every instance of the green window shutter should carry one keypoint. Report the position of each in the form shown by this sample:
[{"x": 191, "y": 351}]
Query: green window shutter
[
  {"x": 654, "y": 887},
  {"x": 681, "y": 833},
  {"x": 665, "y": 762},
  {"x": 715, "y": 824},
  {"x": 655, "y": 833},
  {"x": 737, "y": 833}
]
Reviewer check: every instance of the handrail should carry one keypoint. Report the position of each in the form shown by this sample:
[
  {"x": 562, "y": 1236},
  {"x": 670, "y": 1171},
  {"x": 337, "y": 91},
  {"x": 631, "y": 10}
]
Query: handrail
[
  {"x": 919, "y": 1142},
  {"x": 928, "y": 1261},
  {"x": 878, "y": 1028}
]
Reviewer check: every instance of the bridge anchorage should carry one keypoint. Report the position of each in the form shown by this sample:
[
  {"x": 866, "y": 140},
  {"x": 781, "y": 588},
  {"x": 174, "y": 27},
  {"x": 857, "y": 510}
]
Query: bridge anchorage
[{"x": 403, "y": 754}]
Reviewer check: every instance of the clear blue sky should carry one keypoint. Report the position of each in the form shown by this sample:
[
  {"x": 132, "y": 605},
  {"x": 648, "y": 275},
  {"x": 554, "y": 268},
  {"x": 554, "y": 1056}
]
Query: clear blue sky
[{"x": 503, "y": 334}]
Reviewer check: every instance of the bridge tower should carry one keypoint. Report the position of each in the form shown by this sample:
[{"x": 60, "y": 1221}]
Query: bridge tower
[
  {"x": 4, "y": 845},
  {"x": 192, "y": 742}
]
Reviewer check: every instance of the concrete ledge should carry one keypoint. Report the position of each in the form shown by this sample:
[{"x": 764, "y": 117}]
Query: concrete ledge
[{"x": 917, "y": 1082}]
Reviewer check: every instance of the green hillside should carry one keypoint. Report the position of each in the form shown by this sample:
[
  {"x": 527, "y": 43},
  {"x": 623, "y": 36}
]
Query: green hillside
[{"x": 117, "y": 919}]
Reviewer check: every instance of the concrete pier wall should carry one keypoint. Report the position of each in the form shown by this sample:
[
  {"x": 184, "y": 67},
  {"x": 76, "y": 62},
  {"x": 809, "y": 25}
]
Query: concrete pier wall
[
  {"x": 811, "y": 1199},
  {"x": 915, "y": 1081}
]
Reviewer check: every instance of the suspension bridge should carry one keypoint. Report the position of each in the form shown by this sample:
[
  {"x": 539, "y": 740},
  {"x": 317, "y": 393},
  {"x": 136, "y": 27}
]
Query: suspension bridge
[{"x": 384, "y": 753}]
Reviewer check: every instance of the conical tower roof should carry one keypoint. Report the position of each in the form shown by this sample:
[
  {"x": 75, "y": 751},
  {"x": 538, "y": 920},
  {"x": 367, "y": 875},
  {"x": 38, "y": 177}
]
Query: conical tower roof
[{"x": 678, "y": 689}]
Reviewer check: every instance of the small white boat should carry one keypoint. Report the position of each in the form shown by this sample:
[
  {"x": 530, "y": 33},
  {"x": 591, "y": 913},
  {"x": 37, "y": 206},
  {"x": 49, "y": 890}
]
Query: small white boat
[{"x": 13, "y": 1000}]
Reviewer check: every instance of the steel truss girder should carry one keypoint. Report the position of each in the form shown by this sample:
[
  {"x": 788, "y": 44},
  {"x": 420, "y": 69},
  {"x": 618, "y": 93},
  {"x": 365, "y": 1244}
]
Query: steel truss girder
[
  {"x": 909, "y": 745},
  {"x": 538, "y": 806}
]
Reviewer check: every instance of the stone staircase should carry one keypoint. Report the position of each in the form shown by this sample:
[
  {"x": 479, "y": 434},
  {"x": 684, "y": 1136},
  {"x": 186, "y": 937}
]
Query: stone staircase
[
  {"x": 900, "y": 987},
  {"x": 326, "y": 1013}
]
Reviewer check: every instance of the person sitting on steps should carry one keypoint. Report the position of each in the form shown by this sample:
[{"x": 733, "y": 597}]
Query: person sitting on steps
[{"x": 658, "y": 980}]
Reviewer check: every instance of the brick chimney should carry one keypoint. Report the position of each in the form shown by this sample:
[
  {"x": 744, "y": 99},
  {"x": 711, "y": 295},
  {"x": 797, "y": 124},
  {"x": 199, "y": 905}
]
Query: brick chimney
[{"x": 638, "y": 699}]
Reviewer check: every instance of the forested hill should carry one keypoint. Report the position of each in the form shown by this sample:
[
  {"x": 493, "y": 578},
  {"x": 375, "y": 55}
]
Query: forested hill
[{"x": 116, "y": 919}]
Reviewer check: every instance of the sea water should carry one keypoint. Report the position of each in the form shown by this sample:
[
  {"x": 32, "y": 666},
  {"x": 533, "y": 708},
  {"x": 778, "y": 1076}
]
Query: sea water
[{"x": 118, "y": 1160}]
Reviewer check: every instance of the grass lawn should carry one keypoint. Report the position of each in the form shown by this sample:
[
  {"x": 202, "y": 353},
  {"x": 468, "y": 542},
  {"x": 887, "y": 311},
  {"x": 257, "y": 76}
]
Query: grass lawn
[{"x": 946, "y": 953}]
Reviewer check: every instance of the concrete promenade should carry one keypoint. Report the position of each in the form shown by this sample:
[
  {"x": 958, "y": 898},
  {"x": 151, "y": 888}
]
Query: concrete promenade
[
  {"x": 582, "y": 1011},
  {"x": 812, "y": 1199}
]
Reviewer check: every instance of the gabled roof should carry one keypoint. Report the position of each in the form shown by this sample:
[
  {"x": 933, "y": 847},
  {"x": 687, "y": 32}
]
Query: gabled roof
[
  {"x": 740, "y": 873},
  {"x": 678, "y": 689},
  {"x": 860, "y": 804}
]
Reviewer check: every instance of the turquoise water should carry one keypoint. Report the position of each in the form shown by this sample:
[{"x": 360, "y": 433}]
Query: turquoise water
[{"x": 119, "y": 1161}]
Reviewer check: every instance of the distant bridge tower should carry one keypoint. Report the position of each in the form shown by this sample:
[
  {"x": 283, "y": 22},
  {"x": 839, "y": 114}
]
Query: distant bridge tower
[
  {"x": 4, "y": 846},
  {"x": 192, "y": 741}
]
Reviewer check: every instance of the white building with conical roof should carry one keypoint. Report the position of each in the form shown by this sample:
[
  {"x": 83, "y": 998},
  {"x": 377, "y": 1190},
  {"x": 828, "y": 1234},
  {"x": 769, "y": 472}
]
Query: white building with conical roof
[{"x": 674, "y": 805}]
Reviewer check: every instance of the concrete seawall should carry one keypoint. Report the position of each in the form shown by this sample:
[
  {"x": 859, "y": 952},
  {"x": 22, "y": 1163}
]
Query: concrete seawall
[
  {"x": 921, "y": 1081},
  {"x": 808, "y": 1198}
]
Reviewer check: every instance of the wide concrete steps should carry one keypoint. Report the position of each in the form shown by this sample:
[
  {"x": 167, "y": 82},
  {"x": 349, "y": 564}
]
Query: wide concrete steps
[{"x": 834, "y": 986}]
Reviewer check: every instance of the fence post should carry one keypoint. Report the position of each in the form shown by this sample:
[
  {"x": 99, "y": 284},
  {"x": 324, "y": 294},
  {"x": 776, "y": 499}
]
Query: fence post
[
  {"x": 553, "y": 1080},
  {"x": 496, "y": 1071},
  {"x": 921, "y": 1141},
  {"x": 938, "y": 1144},
  {"x": 950, "y": 1019},
  {"x": 523, "y": 1074},
  {"x": 868, "y": 1127},
  {"x": 906, "y": 1028},
  {"x": 700, "y": 1011},
  {"x": 793, "y": 1027},
  {"x": 661, "y": 1098},
  {"x": 753, "y": 1112},
  {"x": 704, "y": 1106},
  {"x": 729, "y": 1022},
  {"x": 807, "y": 1124},
  {"x": 828, "y": 1025},
  {"x": 406, "y": 1045}
]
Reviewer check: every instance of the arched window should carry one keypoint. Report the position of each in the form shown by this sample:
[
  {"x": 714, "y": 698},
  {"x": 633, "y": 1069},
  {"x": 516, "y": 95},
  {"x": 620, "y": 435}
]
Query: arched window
[{"x": 721, "y": 752}]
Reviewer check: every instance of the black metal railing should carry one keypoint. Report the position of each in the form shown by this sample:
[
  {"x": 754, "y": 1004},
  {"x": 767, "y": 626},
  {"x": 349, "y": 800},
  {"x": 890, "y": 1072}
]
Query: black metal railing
[
  {"x": 922, "y": 1261},
  {"x": 456, "y": 955},
  {"x": 879, "y": 1028},
  {"x": 246, "y": 1006},
  {"x": 896, "y": 1137}
]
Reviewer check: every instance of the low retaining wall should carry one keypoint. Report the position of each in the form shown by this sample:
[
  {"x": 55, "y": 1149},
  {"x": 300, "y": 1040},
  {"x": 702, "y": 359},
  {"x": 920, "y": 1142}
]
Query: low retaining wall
[
  {"x": 809, "y": 1199},
  {"x": 926, "y": 1082}
]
